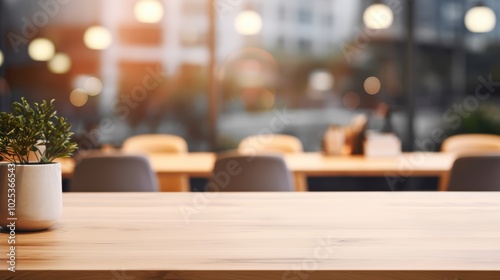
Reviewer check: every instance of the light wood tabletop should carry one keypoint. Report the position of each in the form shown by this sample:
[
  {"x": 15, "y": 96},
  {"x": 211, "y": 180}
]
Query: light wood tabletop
[
  {"x": 310, "y": 164},
  {"x": 391, "y": 235}
]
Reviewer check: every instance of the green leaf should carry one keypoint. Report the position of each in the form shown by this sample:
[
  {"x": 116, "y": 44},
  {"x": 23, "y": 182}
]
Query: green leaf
[{"x": 29, "y": 126}]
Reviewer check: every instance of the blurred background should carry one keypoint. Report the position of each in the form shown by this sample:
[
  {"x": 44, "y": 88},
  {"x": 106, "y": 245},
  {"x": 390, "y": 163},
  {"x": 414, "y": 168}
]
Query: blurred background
[{"x": 215, "y": 72}]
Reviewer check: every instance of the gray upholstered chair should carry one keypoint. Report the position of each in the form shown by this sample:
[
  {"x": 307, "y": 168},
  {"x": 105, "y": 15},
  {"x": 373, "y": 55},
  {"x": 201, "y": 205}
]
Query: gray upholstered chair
[
  {"x": 113, "y": 173},
  {"x": 234, "y": 172},
  {"x": 475, "y": 173},
  {"x": 275, "y": 143}
]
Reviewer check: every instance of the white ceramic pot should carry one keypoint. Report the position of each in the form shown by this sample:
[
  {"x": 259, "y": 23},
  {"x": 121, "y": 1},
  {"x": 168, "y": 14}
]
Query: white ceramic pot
[{"x": 38, "y": 195}]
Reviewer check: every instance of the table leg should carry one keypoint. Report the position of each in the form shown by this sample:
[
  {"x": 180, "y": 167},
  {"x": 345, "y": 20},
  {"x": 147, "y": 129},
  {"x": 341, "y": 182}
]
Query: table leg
[
  {"x": 443, "y": 181},
  {"x": 300, "y": 182},
  {"x": 173, "y": 183}
]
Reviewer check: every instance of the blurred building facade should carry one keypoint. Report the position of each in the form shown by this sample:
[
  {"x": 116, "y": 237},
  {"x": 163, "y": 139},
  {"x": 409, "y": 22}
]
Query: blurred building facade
[{"x": 311, "y": 58}]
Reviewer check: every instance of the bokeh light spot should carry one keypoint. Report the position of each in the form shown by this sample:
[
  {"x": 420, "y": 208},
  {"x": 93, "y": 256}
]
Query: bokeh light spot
[
  {"x": 480, "y": 19},
  {"x": 372, "y": 85},
  {"x": 92, "y": 85},
  {"x": 321, "y": 80},
  {"x": 378, "y": 16},
  {"x": 97, "y": 38},
  {"x": 78, "y": 97},
  {"x": 89, "y": 84},
  {"x": 248, "y": 23},
  {"x": 267, "y": 99},
  {"x": 60, "y": 63},
  {"x": 41, "y": 49},
  {"x": 148, "y": 11}
]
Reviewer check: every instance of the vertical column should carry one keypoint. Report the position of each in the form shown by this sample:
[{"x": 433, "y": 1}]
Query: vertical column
[
  {"x": 459, "y": 63},
  {"x": 109, "y": 58},
  {"x": 213, "y": 94},
  {"x": 410, "y": 98},
  {"x": 173, "y": 55}
]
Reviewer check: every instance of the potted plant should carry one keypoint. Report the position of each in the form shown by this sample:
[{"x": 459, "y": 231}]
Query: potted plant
[{"x": 31, "y": 138}]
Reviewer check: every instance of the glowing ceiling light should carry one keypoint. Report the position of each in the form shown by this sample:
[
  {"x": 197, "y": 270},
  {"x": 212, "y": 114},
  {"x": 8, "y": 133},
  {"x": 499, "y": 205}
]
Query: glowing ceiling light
[
  {"x": 97, "y": 38},
  {"x": 148, "y": 11},
  {"x": 248, "y": 23},
  {"x": 378, "y": 16},
  {"x": 480, "y": 19},
  {"x": 1, "y": 58},
  {"x": 41, "y": 49},
  {"x": 60, "y": 63}
]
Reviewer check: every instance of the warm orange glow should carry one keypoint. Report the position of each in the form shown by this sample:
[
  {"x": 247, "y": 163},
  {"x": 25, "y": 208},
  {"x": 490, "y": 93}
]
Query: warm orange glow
[
  {"x": 78, "y": 97},
  {"x": 267, "y": 99},
  {"x": 253, "y": 59},
  {"x": 251, "y": 73},
  {"x": 372, "y": 85},
  {"x": 256, "y": 99}
]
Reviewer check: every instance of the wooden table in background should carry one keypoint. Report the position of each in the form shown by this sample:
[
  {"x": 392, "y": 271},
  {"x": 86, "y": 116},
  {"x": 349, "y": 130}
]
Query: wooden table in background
[
  {"x": 389, "y": 235},
  {"x": 310, "y": 164}
]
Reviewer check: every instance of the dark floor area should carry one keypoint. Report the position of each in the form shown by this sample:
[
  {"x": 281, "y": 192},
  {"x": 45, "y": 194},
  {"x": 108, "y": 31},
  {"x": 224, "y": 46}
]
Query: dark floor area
[
  {"x": 353, "y": 184},
  {"x": 323, "y": 184}
]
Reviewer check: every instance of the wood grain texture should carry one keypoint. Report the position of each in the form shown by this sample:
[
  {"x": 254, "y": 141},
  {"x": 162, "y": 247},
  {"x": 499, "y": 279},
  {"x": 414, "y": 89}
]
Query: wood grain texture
[
  {"x": 266, "y": 236},
  {"x": 244, "y": 275}
]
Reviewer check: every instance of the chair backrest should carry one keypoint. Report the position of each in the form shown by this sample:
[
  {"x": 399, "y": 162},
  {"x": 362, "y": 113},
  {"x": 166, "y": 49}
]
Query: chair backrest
[
  {"x": 155, "y": 143},
  {"x": 275, "y": 143},
  {"x": 113, "y": 173},
  {"x": 234, "y": 172},
  {"x": 471, "y": 143},
  {"x": 475, "y": 173}
]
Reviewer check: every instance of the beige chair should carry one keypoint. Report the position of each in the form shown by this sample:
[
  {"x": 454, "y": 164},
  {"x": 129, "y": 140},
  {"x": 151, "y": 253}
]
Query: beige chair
[
  {"x": 113, "y": 173},
  {"x": 160, "y": 144},
  {"x": 279, "y": 143},
  {"x": 235, "y": 172},
  {"x": 155, "y": 144},
  {"x": 471, "y": 143},
  {"x": 275, "y": 143}
]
